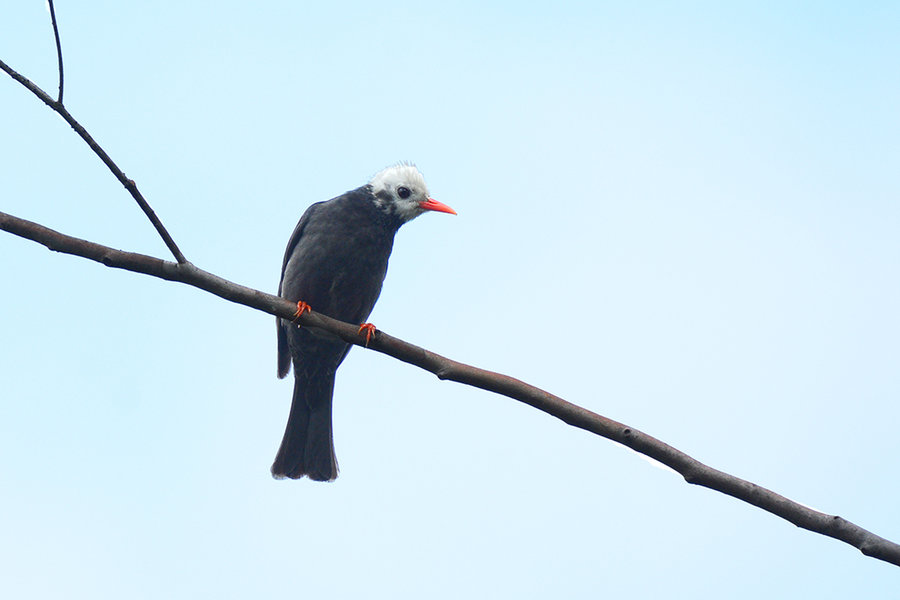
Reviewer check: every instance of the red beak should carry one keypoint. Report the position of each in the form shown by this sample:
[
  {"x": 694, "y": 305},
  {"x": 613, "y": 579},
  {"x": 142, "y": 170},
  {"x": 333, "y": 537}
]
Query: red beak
[{"x": 432, "y": 204}]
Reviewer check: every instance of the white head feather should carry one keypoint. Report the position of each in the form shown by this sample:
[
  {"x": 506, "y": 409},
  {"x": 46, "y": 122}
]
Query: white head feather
[{"x": 393, "y": 183}]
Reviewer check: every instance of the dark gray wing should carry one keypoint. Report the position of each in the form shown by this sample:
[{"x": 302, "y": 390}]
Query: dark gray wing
[{"x": 284, "y": 353}]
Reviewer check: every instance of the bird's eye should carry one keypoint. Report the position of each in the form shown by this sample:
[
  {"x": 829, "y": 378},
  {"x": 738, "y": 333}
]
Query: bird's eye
[{"x": 403, "y": 192}]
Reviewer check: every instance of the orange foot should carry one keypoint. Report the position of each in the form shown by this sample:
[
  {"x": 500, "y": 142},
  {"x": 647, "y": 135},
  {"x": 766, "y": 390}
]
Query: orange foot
[
  {"x": 370, "y": 332},
  {"x": 302, "y": 307}
]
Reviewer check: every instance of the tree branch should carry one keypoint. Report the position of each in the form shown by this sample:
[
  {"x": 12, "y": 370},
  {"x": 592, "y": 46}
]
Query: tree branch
[
  {"x": 58, "y": 49},
  {"x": 130, "y": 185},
  {"x": 690, "y": 468}
]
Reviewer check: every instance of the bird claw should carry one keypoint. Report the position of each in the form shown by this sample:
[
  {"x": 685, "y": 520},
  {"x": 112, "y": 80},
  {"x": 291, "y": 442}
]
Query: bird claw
[
  {"x": 370, "y": 331},
  {"x": 302, "y": 307}
]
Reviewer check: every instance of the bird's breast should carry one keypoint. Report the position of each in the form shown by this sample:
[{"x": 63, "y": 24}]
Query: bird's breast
[{"x": 338, "y": 267}]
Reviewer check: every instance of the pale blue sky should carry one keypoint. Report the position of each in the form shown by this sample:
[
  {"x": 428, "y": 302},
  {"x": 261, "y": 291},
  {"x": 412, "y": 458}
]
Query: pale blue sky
[{"x": 683, "y": 216}]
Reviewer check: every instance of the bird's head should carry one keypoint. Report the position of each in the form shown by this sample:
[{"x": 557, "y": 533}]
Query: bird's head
[{"x": 401, "y": 191}]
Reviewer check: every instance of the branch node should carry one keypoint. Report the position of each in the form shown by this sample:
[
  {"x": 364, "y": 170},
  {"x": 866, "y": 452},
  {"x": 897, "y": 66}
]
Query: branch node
[{"x": 692, "y": 476}]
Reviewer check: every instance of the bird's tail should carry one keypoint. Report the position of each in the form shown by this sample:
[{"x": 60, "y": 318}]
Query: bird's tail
[{"x": 307, "y": 448}]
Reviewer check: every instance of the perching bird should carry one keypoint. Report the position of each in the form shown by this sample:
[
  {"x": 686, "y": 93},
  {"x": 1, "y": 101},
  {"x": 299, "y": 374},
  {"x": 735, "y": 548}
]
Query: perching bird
[{"x": 335, "y": 263}]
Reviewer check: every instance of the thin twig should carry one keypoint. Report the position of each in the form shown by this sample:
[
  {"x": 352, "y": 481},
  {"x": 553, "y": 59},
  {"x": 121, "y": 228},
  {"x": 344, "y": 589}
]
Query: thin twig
[
  {"x": 58, "y": 49},
  {"x": 691, "y": 469},
  {"x": 129, "y": 184}
]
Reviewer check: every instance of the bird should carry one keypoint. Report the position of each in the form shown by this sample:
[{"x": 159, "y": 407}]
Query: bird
[{"x": 335, "y": 264}]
